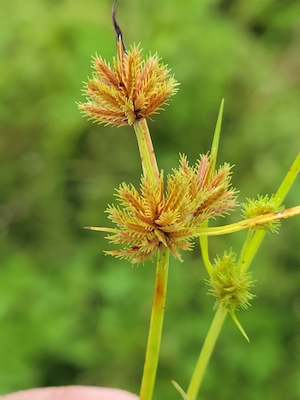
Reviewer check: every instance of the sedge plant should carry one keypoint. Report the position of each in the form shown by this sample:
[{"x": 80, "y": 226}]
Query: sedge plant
[{"x": 165, "y": 215}]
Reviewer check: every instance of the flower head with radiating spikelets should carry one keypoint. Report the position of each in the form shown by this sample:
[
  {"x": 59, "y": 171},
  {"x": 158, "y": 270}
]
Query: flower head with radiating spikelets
[
  {"x": 170, "y": 217},
  {"x": 132, "y": 89}
]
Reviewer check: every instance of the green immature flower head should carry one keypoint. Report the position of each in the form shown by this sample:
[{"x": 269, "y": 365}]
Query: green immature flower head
[
  {"x": 261, "y": 206},
  {"x": 131, "y": 89},
  {"x": 229, "y": 285},
  {"x": 169, "y": 216}
]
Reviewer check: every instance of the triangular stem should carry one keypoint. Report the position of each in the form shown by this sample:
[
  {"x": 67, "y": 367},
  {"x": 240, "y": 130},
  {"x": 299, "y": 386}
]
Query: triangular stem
[
  {"x": 148, "y": 159},
  {"x": 156, "y": 324},
  {"x": 206, "y": 353}
]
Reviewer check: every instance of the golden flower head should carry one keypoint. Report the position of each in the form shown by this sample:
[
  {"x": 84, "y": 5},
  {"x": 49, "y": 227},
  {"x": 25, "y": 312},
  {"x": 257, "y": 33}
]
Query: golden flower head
[
  {"x": 154, "y": 216},
  {"x": 132, "y": 89}
]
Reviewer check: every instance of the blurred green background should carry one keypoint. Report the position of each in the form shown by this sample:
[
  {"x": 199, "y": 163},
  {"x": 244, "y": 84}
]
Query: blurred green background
[{"x": 69, "y": 315}]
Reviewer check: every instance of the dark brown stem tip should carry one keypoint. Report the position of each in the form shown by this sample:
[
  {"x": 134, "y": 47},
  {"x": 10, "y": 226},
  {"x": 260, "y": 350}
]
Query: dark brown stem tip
[{"x": 117, "y": 29}]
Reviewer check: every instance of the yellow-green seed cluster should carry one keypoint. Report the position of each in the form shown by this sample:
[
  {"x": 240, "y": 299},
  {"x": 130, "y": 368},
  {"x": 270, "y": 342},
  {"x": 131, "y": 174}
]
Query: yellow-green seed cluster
[{"x": 229, "y": 284}]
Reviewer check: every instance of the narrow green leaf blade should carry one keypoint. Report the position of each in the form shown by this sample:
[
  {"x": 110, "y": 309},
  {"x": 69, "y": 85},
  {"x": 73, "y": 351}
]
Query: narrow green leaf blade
[
  {"x": 241, "y": 329},
  {"x": 181, "y": 391}
]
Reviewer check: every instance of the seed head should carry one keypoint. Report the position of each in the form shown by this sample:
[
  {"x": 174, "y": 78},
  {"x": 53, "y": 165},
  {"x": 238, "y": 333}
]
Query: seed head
[
  {"x": 260, "y": 206},
  {"x": 132, "y": 89},
  {"x": 156, "y": 216},
  {"x": 229, "y": 285}
]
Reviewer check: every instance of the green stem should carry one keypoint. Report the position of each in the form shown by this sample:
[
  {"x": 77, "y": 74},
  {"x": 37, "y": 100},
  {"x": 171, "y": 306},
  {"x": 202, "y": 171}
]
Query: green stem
[
  {"x": 249, "y": 223},
  {"x": 206, "y": 353},
  {"x": 252, "y": 248},
  {"x": 148, "y": 159},
  {"x": 204, "y": 251},
  {"x": 244, "y": 250},
  {"x": 156, "y": 324},
  {"x": 288, "y": 180}
]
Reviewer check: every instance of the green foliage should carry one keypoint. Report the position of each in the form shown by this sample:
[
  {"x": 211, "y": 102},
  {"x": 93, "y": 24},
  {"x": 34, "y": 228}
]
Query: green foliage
[{"x": 69, "y": 315}]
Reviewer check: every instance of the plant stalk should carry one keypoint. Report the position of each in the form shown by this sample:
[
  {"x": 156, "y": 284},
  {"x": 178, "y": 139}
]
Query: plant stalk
[
  {"x": 156, "y": 324},
  {"x": 249, "y": 223},
  {"x": 148, "y": 159},
  {"x": 206, "y": 353},
  {"x": 204, "y": 251}
]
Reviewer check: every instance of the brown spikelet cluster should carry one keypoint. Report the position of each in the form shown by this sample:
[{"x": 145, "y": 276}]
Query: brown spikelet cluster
[
  {"x": 170, "y": 216},
  {"x": 132, "y": 89}
]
